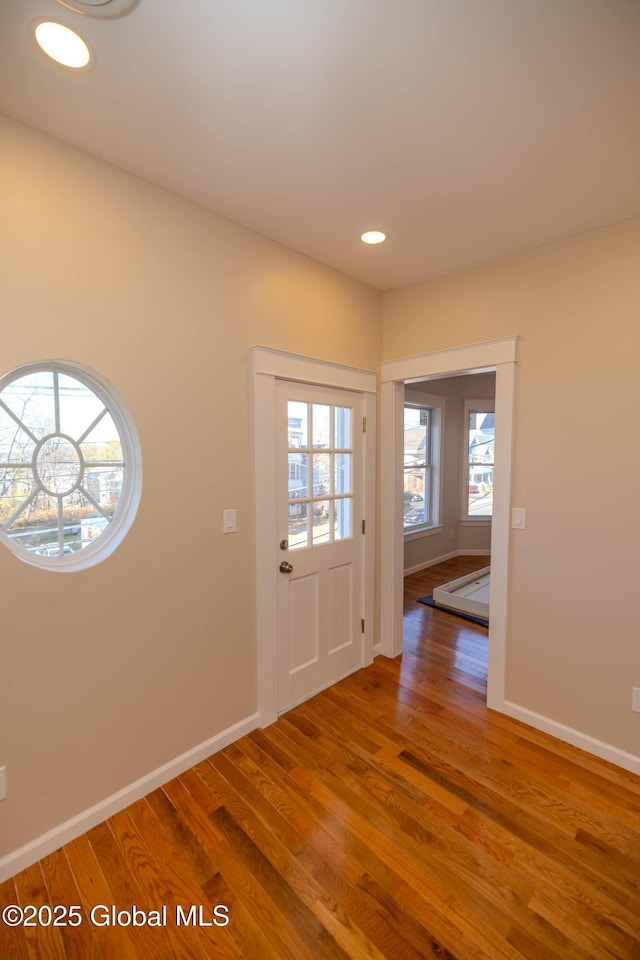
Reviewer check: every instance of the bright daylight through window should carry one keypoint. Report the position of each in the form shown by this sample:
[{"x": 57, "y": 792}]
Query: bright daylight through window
[
  {"x": 321, "y": 487},
  {"x": 421, "y": 460},
  {"x": 70, "y": 473},
  {"x": 480, "y": 446}
]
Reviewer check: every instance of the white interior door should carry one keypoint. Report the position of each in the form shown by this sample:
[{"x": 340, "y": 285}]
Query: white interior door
[{"x": 320, "y": 538}]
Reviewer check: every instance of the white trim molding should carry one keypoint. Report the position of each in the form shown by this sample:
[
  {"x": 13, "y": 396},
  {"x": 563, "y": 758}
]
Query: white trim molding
[
  {"x": 42, "y": 846},
  {"x": 472, "y": 358},
  {"x": 599, "y": 748},
  {"x": 268, "y": 366},
  {"x": 431, "y": 563},
  {"x": 493, "y": 355}
]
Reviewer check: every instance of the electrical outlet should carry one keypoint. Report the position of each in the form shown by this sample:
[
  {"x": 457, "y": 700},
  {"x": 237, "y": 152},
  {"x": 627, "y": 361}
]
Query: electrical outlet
[
  {"x": 3, "y": 783},
  {"x": 635, "y": 699}
]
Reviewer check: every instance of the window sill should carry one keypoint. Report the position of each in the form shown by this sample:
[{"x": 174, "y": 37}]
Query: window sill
[
  {"x": 420, "y": 532},
  {"x": 476, "y": 522}
]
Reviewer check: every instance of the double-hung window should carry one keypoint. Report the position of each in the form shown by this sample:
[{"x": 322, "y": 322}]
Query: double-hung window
[
  {"x": 423, "y": 423},
  {"x": 478, "y": 461}
]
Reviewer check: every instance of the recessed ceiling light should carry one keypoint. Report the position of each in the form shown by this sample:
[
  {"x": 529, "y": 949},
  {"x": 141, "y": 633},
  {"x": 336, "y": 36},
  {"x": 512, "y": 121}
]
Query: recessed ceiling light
[
  {"x": 100, "y": 9},
  {"x": 62, "y": 44},
  {"x": 373, "y": 236}
]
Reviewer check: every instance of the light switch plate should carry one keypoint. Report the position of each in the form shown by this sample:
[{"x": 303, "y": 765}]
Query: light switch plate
[
  {"x": 229, "y": 521},
  {"x": 519, "y": 518}
]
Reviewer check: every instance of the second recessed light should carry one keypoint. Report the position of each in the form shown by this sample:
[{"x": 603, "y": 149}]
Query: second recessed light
[{"x": 373, "y": 236}]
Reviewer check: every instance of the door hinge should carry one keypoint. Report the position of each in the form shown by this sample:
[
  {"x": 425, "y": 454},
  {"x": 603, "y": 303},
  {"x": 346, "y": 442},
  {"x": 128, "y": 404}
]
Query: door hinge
[
  {"x": 362, "y": 624},
  {"x": 364, "y": 424},
  {"x": 364, "y": 524}
]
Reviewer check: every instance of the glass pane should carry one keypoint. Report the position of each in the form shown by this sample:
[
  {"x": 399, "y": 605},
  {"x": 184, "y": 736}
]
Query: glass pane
[
  {"x": 103, "y": 443},
  {"x": 321, "y": 474},
  {"x": 58, "y": 465},
  {"x": 321, "y": 425},
  {"x": 298, "y": 525},
  {"x": 344, "y": 428},
  {"x": 39, "y": 536},
  {"x": 481, "y": 453},
  {"x": 415, "y": 515},
  {"x": 415, "y": 495},
  {"x": 82, "y": 522},
  {"x": 343, "y": 520},
  {"x": 343, "y": 478},
  {"x": 298, "y": 423},
  {"x": 321, "y": 521},
  {"x": 481, "y": 437},
  {"x": 79, "y": 407},
  {"x": 15, "y": 444},
  {"x": 41, "y": 513},
  {"x": 16, "y": 483},
  {"x": 104, "y": 484},
  {"x": 31, "y": 399},
  {"x": 416, "y": 436},
  {"x": 298, "y": 476},
  {"x": 480, "y": 491}
]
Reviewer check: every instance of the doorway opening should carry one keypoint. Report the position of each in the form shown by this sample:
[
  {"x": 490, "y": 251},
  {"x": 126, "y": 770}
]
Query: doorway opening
[{"x": 493, "y": 357}]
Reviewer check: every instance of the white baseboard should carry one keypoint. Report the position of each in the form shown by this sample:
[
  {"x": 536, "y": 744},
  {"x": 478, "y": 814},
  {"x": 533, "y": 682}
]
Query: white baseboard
[
  {"x": 431, "y": 563},
  {"x": 628, "y": 761},
  {"x": 33, "y": 851},
  {"x": 445, "y": 556}
]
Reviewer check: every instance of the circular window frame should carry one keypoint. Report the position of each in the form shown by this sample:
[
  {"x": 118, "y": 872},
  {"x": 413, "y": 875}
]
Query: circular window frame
[{"x": 129, "y": 499}]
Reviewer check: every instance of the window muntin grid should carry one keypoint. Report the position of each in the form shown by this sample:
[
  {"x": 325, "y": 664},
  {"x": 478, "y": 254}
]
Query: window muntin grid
[
  {"x": 70, "y": 475},
  {"x": 320, "y": 471},
  {"x": 480, "y": 462},
  {"x": 418, "y": 465}
]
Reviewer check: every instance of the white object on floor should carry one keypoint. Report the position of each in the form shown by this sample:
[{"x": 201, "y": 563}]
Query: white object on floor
[{"x": 469, "y": 594}]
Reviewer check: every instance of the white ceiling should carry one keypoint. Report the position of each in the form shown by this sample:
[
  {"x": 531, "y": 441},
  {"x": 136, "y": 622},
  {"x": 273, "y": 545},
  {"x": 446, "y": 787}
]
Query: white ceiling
[{"x": 466, "y": 129}]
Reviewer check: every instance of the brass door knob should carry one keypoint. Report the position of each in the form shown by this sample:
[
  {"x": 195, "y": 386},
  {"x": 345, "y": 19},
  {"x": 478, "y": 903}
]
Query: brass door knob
[{"x": 285, "y": 567}]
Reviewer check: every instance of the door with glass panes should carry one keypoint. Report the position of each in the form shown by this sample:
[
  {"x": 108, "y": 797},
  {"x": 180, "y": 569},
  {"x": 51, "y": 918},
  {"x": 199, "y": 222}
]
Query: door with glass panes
[{"x": 320, "y": 538}]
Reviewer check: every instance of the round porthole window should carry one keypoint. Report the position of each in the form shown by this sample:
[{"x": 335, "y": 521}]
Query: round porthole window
[{"x": 70, "y": 468}]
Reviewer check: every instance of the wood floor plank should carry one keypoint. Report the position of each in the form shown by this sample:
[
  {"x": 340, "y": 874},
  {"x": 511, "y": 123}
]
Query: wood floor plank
[
  {"x": 333, "y": 900},
  {"x": 13, "y": 945},
  {"x": 182, "y": 888},
  {"x": 114, "y": 941},
  {"x": 391, "y": 817},
  {"x": 78, "y": 940},
  {"x": 43, "y": 940}
]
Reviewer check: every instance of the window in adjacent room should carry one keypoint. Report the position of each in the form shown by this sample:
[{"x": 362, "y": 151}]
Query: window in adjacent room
[
  {"x": 478, "y": 461},
  {"x": 423, "y": 430},
  {"x": 70, "y": 470}
]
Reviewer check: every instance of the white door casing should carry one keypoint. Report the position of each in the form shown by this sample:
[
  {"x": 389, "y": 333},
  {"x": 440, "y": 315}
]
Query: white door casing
[
  {"x": 492, "y": 355},
  {"x": 267, "y": 367}
]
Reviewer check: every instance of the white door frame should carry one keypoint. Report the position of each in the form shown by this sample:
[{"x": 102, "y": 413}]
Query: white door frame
[
  {"x": 268, "y": 366},
  {"x": 498, "y": 355}
]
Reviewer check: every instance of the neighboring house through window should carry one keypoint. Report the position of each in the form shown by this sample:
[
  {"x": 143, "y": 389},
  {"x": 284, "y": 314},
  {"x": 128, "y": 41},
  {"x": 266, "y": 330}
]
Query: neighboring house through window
[
  {"x": 423, "y": 432},
  {"x": 478, "y": 460}
]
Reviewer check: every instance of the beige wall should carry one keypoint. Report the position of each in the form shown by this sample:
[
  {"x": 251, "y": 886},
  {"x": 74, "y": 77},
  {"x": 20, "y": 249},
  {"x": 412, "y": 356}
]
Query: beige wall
[
  {"x": 455, "y": 536},
  {"x": 111, "y": 672},
  {"x": 573, "y": 649}
]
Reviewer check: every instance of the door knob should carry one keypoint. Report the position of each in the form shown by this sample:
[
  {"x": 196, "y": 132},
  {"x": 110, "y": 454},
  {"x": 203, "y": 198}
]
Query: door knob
[{"x": 285, "y": 567}]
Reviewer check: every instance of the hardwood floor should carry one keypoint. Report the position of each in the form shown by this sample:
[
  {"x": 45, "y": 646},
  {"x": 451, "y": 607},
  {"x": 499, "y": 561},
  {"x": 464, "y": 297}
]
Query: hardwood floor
[{"x": 391, "y": 816}]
